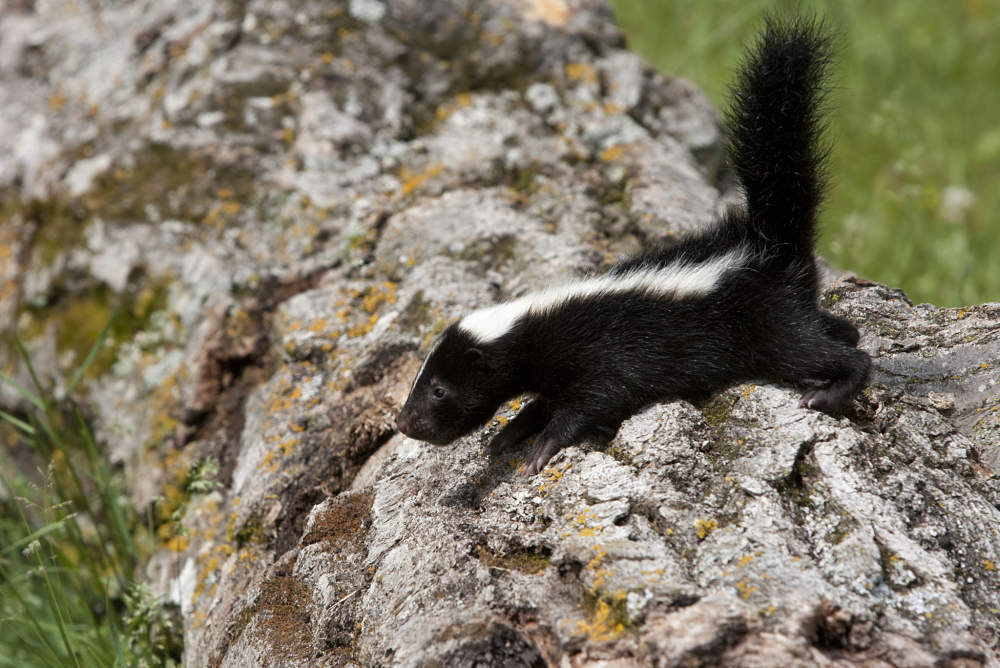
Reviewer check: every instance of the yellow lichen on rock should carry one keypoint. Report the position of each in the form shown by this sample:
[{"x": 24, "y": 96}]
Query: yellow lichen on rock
[
  {"x": 411, "y": 180},
  {"x": 705, "y": 527},
  {"x": 581, "y": 72}
]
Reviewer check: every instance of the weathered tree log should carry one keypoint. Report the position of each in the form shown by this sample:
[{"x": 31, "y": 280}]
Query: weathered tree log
[{"x": 292, "y": 198}]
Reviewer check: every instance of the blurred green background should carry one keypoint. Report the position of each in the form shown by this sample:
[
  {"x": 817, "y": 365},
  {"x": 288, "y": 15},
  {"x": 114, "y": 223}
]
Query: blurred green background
[{"x": 915, "y": 129}]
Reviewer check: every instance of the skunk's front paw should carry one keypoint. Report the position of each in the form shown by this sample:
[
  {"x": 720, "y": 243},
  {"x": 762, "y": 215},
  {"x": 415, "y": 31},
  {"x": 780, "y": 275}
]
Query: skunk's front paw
[
  {"x": 540, "y": 455},
  {"x": 823, "y": 399}
]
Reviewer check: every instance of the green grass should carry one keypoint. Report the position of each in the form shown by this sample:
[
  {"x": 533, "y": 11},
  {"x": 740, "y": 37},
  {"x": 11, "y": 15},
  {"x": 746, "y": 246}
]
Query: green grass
[
  {"x": 915, "y": 113},
  {"x": 70, "y": 545}
]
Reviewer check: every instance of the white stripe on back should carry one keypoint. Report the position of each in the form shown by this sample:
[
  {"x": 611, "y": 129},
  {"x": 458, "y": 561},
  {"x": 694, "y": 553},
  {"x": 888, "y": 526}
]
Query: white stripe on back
[{"x": 676, "y": 281}]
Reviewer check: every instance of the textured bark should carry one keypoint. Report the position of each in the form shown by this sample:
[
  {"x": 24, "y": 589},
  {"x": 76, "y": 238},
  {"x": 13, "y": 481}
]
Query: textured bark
[{"x": 293, "y": 198}]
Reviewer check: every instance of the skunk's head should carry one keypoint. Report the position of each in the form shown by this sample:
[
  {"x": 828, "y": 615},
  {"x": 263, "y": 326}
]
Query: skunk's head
[{"x": 456, "y": 390}]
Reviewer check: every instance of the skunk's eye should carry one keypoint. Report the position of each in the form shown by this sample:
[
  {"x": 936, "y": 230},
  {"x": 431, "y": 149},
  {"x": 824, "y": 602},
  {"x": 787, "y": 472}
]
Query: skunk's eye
[{"x": 439, "y": 392}]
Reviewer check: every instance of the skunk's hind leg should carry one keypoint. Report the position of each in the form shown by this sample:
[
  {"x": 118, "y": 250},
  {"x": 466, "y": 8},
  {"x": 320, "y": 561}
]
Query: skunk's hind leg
[
  {"x": 837, "y": 395},
  {"x": 845, "y": 370},
  {"x": 833, "y": 360},
  {"x": 840, "y": 328}
]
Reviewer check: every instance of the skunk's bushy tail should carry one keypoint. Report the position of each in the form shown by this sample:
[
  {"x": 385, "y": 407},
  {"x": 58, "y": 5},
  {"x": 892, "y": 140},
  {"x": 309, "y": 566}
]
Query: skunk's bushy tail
[{"x": 775, "y": 124}]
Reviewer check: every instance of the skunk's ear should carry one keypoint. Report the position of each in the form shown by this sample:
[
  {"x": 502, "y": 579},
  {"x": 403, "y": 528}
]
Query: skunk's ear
[{"x": 474, "y": 358}]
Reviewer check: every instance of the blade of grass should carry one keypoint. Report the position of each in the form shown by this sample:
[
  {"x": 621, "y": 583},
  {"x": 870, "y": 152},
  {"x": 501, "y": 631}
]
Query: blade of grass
[
  {"x": 20, "y": 424},
  {"x": 108, "y": 535},
  {"x": 72, "y": 529},
  {"x": 26, "y": 540},
  {"x": 50, "y": 592},
  {"x": 60, "y": 612},
  {"x": 26, "y": 358},
  {"x": 44, "y": 643},
  {"x": 23, "y": 391},
  {"x": 67, "y": 575},
  {"x": 94, "y": 349},
  {"x": 58, "y": 444},
  {"x": 70, "y": 568},
  {"x": 116, "y": 636},
  {"x": 94, "y": 563},
  {"x": 120, "y": 534}
]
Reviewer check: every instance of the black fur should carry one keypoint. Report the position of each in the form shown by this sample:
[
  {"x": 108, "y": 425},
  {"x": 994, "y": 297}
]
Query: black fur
[{"x": 594, "y": 361}]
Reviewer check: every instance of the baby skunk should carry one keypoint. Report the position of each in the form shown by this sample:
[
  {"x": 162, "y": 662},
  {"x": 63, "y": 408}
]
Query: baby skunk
[{"x": 734, "y": 303}]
